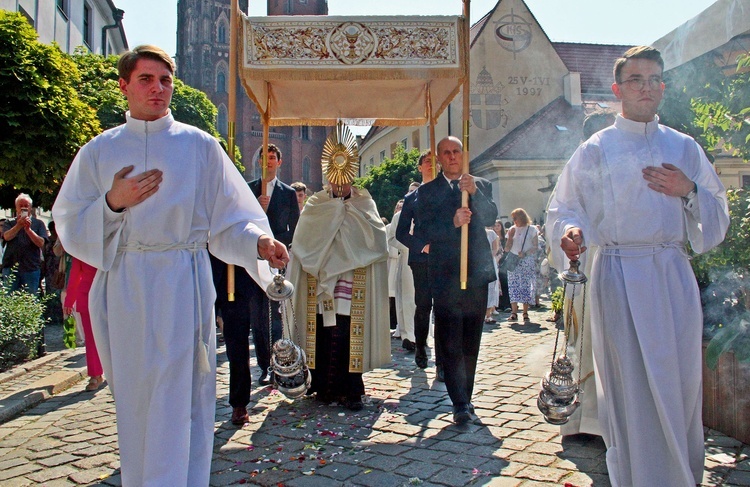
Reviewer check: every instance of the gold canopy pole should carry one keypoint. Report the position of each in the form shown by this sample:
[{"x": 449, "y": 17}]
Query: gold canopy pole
[
  {"x": 465, "y": 194},
  {"x": 431, "y": 115},
  {"x": 264, "y": 159},
  {"x": 231, "y": 129}
]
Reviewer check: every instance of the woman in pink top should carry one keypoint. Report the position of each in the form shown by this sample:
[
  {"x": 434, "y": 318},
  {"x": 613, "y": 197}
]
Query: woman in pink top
[{"x": 79, "y": 284}]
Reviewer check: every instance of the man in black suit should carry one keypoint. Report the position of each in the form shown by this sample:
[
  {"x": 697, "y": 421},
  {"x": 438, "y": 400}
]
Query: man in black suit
[
  {"x": 251, "y": 305},
  {"x": 459, "y": 313},
  {"x": 409, "y": 233}
]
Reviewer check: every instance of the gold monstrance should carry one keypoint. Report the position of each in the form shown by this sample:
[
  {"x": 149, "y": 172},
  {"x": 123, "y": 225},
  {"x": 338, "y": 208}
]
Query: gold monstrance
[{"x": 340, "y": 159}]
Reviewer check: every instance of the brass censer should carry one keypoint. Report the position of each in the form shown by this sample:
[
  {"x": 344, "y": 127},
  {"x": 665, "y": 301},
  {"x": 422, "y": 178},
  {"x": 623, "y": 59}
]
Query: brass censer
[
  {"x": 288, "y": 370},
  {"x": 558, "y": 398}
]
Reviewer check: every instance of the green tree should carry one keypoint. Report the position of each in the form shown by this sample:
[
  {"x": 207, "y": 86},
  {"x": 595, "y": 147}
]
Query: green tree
[
  {"x": 99, "y": 87},
  {"x": 710, "y": 103},
  {"x": 43, "y": 121},
  {"x": 389, "y": 181},
  {"x": 725, "y": 122}
]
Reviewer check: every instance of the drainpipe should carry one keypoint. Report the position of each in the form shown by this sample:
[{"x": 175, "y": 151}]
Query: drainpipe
[{"x": 117, "y": 14}]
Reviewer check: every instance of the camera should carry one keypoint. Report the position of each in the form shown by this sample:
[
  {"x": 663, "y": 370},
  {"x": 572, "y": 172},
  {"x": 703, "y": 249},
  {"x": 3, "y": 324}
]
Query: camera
[{"x": 24, "y": 212}]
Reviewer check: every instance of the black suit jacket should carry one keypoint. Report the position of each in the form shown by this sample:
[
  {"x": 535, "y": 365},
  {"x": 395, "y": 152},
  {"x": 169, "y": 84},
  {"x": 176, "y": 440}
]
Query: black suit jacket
[
  {"x": 283, "y": 210},
  {"x": 415, "y": 240},
  {"x": 436, "y": 206},
  {"x": 283, "y": 213}
]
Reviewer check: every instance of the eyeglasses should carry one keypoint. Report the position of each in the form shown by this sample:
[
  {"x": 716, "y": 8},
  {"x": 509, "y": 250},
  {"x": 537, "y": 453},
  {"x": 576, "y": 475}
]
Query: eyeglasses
[{"x": 637, "y": 84}]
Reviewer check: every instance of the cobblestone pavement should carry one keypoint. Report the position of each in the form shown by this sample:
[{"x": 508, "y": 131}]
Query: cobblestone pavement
[{"x": 404, "y": 436}]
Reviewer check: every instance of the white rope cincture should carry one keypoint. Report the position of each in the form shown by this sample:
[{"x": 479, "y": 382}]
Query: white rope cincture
[
  {"x": 202, "y": 346},
  {"x": 642, "y": 250}
]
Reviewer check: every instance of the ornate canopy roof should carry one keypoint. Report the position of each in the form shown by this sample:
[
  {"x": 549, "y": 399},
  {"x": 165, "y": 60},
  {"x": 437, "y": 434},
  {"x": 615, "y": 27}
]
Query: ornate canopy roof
[{"x": 317, "y": 70}]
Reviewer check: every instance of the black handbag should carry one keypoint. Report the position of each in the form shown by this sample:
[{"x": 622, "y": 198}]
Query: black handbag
[{"x": 510, "y": 260}]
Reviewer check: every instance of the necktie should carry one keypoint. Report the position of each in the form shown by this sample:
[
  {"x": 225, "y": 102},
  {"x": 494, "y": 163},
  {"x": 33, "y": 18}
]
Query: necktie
[{"x": 454, "y": 186}]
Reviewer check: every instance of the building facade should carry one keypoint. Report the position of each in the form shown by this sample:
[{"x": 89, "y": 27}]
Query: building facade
[
  {"x": 529, "y": 97},
  {"x": 94, "y": 24},
  {"x": 203, "y": 63},
  {"x": 527, "y": 107}
]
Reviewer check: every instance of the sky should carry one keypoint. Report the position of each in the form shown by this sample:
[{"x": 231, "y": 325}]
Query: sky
[{"x": 628, "y": 22}]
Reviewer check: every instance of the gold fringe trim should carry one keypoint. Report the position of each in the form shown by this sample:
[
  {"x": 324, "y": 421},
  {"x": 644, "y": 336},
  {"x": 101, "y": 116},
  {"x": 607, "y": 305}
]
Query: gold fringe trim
[
  {"x": 346, "y": 73},
  {"x": 357, "y": 325},
  {"x": 330, "y": 122},
  {"x": 311, "y": 319}
]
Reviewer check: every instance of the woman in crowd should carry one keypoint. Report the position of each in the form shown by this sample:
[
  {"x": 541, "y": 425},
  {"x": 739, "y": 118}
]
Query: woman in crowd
[
  {"x": 503, "y": 298},
  {"x": 493, "y": 289},
  {"x": 79, "y": 284},
  {"x": 522, "y": 241}
]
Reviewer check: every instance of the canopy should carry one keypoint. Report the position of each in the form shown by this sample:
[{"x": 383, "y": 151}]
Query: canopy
[{"x": 315, "y": 70}]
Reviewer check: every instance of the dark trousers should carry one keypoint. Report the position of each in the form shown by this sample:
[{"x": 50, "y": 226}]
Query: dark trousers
[
  {"x": 239, "y": 317},
  {"x": 504, "y": 302},
  {"x": 392, "y": 309},
  {"x": 259, "y": 318},
  {"x": 423, "y": 301},
  {"x": 458, "y": 330},
  {"x": 236, "y": 316}
]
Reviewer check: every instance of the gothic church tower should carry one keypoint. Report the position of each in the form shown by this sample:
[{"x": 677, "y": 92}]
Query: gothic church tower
[
  {"x": 297, "y": 7},
  {"x": 203, "y": 63}
]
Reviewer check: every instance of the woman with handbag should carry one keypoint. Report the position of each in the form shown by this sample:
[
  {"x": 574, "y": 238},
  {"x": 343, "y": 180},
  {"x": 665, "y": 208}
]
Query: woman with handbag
[{"x": 520, "y": 263}]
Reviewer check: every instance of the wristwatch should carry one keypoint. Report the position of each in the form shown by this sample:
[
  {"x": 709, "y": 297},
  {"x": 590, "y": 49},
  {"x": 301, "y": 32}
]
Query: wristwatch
[{"x": 691, "y": 194}]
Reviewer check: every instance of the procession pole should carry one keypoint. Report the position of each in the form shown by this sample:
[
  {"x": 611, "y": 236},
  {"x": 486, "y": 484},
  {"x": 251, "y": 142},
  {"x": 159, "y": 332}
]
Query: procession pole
[
  {"x": 433, "y": 152},
  {"x": 232, "y": 115},
  {"x": 264, "y": 159},
  {"x": 466, "y": 107}
]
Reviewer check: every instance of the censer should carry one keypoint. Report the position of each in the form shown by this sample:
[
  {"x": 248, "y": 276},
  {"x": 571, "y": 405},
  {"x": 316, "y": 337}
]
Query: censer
[
  {"x": 558, "y": 398},
  {"x": 288, "y": 370}
]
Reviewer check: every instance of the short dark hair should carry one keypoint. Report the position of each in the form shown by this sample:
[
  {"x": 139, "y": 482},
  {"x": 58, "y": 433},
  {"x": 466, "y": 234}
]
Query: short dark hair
[
  {"x": 423, "y": 156},
  {"x": 271, "y": 148},
  {"x": 129, "y": 59},
  {"x": 299, "y": 186},
  {"x": 638, "y": 52},
  {"x": 596, "y": 121}
]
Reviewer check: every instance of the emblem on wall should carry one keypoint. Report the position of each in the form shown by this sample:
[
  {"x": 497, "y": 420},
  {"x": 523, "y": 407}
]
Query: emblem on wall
[
  {"x": 487, "y": 102},
  {"x": 513, "y": 33}
]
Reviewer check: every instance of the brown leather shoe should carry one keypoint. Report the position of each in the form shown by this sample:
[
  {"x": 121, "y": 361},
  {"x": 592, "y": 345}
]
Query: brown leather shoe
[{"x": 239, "y": 416}]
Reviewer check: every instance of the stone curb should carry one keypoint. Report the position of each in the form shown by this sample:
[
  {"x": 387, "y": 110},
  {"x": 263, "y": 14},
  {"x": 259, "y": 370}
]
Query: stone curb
[
  {"x": 25, "y": 368},
  {"x": 46, "y": 387}
]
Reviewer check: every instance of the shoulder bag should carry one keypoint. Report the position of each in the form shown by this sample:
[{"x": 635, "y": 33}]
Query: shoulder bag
[{"x": 510, "y": 260}]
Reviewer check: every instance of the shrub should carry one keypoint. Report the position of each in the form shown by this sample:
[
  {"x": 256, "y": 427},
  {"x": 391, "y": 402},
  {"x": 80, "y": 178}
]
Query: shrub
[
  {"x": 724, "y": 281},
  {"x": 21, "y": 324}
]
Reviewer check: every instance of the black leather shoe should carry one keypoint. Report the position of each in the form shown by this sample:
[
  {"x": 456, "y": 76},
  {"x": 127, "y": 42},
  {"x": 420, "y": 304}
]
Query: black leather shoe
[
  {"x": 461, "y": 414},
  {"x": 440, "y": 375},
  {"x": 408, "y": 345},
  {"x": 420, "y": 357},
  {"x": 263, "y": 379},
  {"x": 239, "y": 416},
  {"x": 354, "y": 404}
]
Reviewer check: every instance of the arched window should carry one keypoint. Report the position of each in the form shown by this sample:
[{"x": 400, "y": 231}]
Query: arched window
[
  {"x": 221, "y": 82},
  {"x": 222, "y": 122},
  {"x": 221, "y": 33},
  {"x": 220, "y": 73},
  {"x": 306, "y": 170}
]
